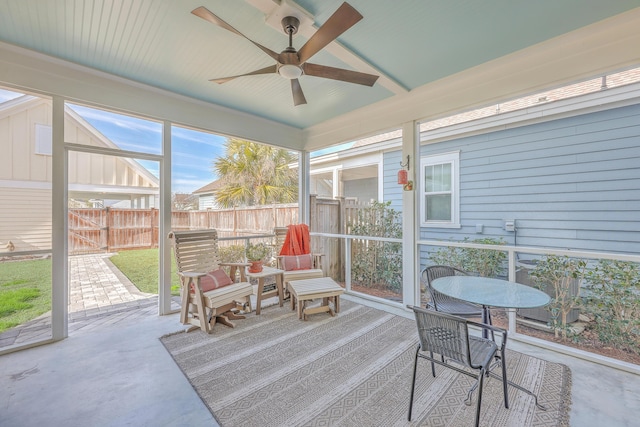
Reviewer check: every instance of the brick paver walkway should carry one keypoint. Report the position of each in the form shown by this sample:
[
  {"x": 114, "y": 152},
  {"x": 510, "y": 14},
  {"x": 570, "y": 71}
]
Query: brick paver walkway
[
  {"x": 96, "y": 285},
  {"x": 98, "y": 293}
]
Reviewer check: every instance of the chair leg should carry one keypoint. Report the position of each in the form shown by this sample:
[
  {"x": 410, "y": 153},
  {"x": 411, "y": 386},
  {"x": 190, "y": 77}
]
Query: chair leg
[
  {"x": 479, "y": 403},
  {"x": 504, "y": 379},
  {"x": 433, "y": 365},
  {"x": 413, "y": 383}
]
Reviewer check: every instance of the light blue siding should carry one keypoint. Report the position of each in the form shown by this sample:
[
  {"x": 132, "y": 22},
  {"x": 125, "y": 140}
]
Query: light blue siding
[
  {"x": 392, "y": 191},
  {"x": 568, "y": 183}
]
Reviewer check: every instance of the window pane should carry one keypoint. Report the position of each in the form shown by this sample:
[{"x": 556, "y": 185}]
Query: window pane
[
  {"x": 102, "y": 128},
  {"x": 25, "y": 219},
  {"x": 437, "y": 178},
  {"x": 438, "y": 207},
  {"x": 445, "y": 178}
]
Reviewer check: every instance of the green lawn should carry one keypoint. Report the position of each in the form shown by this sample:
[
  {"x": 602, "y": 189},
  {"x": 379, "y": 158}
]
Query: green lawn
[
  {"x": 25, "y": 291},
  {"x": 141, "y": 267},
  {"x": 25, "y": 286}
]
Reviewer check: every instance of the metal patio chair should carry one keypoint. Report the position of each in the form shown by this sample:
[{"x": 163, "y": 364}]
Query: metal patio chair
[
  {"x": 449, "y": 336},
  {"x": 444, "y": 303}
]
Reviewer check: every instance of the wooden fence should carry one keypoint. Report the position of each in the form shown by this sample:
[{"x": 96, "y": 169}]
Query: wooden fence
[{"x": 109, "y": 229}]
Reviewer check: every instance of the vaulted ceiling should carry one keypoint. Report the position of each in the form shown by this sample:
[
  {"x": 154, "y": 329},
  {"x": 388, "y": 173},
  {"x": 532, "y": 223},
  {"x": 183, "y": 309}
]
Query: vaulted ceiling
[{"x": 432, "y": 56}]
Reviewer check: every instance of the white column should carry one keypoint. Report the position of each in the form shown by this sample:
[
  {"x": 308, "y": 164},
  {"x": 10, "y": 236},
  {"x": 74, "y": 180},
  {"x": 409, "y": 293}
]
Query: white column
[
  {"x": 304, "y": 179},
  {"x": 59, "y": 264},
  {"x": 164, "y": 246},
  {"x": 410, "y": 230}
]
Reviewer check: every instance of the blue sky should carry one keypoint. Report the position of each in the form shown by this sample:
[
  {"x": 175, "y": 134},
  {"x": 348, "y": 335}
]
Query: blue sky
[{"x": 193, "y": 151}]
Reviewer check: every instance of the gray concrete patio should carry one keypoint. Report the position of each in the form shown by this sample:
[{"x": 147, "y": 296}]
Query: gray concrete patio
[{"x": 113, "y": 370}]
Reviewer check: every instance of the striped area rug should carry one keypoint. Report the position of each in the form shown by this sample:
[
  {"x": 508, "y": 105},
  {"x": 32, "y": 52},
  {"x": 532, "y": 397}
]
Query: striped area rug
[{"x": 350, "y": 370}]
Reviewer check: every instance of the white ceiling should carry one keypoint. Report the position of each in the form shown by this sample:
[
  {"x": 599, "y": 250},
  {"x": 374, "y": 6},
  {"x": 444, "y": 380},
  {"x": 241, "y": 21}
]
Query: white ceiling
[{"x": 433, "y": 56}]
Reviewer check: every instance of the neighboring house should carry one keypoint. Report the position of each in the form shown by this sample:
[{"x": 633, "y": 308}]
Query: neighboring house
[
  {"x": 355, "y": 172},
  {"x": 205, "y": 195},
  {"x": 559, "y": 169},
  {"x": 26, "y": 171}
]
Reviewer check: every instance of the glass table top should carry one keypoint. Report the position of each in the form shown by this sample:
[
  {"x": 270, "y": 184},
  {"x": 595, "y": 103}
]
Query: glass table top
[{"x": 491, "y": 292}]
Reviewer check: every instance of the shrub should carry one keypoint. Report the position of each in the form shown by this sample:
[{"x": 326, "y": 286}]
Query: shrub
[
  {"x": 483, "y": 262},
  {"x": 614, "y": 299},
  {"x": 373, "y": 262},
  {"x": 231, "y": 253},
  {"x": 560, "y": 272}
]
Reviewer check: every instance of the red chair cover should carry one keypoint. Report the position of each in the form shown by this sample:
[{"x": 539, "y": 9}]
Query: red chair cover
[{"x": 297, "y": 241}]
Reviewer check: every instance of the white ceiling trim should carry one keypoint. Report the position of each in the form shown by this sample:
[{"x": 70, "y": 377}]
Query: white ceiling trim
[
  {"x": 608, "y": 45},
  {"x": 32, "y": 71}
]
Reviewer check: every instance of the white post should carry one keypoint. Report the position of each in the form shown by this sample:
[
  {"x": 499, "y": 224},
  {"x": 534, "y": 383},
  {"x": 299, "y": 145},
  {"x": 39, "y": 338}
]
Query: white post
[
  {"x": 164, "y": 226},
  {"x": 59, "y": 220},
  {"x": 410, "y": 280}
]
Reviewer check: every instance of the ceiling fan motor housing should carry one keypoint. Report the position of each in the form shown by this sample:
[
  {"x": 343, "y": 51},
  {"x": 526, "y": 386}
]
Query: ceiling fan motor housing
[{"x": 290, "y": 24}]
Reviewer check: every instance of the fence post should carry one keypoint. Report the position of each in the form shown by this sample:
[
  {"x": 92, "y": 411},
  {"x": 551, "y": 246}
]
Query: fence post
[
  {"x": 313, "y": 212},
  {"x": 154, "y": 226},
  {"x": 108, "y": 227}
]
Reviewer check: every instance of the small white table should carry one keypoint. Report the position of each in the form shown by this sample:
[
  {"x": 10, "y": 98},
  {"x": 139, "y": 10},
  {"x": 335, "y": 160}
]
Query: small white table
[
  {"x": 308, "y": 289},
  {"x": 266, "y": 272}
]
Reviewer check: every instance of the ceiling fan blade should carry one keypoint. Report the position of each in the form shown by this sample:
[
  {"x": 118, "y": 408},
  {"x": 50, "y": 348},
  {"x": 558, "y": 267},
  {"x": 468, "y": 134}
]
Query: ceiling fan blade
[
  {"x": 341, "y": 20},
  {"x": 207, "y": 15},
  {"x": 339, "y": 74},
  {"x": 267, "y": 70},
  {"x": 298, "y": 96}
]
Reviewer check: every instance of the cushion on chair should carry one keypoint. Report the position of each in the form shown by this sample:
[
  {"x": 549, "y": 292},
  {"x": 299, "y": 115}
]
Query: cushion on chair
[
  {"x": 213, "y": 280},
  {"x": 296, "y": 262}
]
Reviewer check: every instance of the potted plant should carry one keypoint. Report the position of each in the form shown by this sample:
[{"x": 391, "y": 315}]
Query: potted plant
[{"x": 256, "y": 255}]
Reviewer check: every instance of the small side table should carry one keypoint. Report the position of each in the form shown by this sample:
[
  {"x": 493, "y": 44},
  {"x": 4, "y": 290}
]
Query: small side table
[{"x": 266, "y": 272}]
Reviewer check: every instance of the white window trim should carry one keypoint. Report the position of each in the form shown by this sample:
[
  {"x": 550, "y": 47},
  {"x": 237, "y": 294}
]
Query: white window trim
[{"x": 454, "y": 159}]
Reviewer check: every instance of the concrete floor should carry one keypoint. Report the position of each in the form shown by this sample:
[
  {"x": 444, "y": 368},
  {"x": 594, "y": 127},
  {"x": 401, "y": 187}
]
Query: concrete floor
[
  {"x": 118, "y": 373},
  {"x": 115, "y": 374},
  {"x": 113, "y": 370}
]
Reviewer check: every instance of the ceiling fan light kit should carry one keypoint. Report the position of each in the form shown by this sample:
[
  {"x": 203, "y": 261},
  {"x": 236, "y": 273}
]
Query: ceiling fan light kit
[
  {"x": 290, "y": 71},
  {"x": 292, "y": 64}
]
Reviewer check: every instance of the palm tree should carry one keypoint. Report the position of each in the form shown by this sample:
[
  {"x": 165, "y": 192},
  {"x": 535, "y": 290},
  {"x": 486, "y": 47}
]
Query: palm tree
[{"x": 254, "y": 174}]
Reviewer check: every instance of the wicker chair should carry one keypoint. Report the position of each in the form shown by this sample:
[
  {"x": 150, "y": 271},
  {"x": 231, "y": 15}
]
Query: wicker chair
[
  {"x": 196, "y": 254},
  {"x": 449, "y": 337},
  {"x": 444, "y": 303}
]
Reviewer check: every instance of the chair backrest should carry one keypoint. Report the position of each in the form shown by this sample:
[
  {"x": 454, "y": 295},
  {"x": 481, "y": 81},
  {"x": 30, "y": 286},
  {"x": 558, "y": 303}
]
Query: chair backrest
[
  {"x": 434, "y": 272},
  {"x": 280, "y": 233},
  {"x": 444, "y": 334},
  {"x": 297, "y": 241},
  {"x": 196, "y": 251}
]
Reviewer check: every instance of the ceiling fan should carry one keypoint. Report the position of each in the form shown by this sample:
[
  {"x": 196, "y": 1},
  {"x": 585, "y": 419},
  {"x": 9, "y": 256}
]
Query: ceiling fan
[{"x": 291, "y": 64}]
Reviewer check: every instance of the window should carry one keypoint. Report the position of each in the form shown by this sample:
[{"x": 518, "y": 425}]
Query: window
[
  {"x": 439, "y": 190},
  {"x": 44, "y": 138}
]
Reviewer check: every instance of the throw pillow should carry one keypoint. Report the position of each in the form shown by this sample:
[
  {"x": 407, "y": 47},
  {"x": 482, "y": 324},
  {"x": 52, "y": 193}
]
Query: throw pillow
[
  {"x": 296, "y": 262},
  {"x": 214, "y": 280}
]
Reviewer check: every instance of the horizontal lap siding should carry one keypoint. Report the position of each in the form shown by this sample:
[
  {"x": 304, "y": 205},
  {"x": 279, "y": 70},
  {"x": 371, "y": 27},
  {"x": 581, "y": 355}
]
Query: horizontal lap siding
[
  {"x": 25, "y": 219},
  {"x": 568, "y": 183},
  {"x": 391, "y": 189}
]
